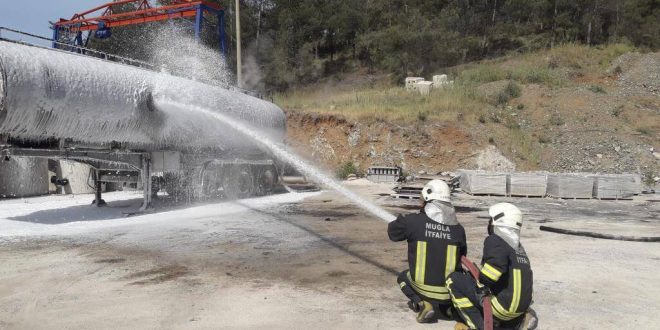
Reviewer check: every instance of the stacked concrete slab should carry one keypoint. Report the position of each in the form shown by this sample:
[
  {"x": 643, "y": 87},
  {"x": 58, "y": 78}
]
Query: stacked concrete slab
[
  {"x": 570, "y": 186},
  {"x": 23, "y": 177},
  {"x": 483, "y": 183},
  {"x": 411, "y": 81},
  {"x": 616, "y": 186},
  {"x": 527, "y": 184},
  {"x": 424, "y": 87}
]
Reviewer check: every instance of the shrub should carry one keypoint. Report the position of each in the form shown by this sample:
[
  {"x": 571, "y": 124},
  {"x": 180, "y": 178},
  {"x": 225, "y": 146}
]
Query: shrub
[
  {"x": 645, "y": 130},
  {"x": 512, "y": 123},
  {"x": 617, "y": 111},
  {"x": 502, "y": 98},
  {"x": 520, "y": 106},
  {"x": 347, "y": 169},
  {"x": 597, "y": 89},
  {"x": 556, "y": 119},
  {"x": 491, "y": 140},
  {"x": 482, "y": 119},
  {"x": 648, "y": 177},
  {"x": 422, "y": 115},
  {"x": 512, "y": 89},
  {"x": 544, "y": 139}
]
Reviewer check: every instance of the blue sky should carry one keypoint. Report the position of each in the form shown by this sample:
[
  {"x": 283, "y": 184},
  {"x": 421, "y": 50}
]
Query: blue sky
[{"x": 33, "y": 15}]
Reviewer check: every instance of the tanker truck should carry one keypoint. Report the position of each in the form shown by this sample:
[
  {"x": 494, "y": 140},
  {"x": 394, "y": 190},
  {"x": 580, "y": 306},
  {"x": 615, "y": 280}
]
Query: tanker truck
[{"x": 58, "y": 104}]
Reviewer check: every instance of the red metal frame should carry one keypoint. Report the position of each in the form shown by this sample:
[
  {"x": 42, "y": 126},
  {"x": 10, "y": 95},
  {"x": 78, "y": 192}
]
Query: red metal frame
[{"x": 144, "y": 13}]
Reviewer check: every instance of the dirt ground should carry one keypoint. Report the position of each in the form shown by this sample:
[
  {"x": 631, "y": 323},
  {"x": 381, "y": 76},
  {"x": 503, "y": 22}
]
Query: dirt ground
[{"x": 297, "y": 260}]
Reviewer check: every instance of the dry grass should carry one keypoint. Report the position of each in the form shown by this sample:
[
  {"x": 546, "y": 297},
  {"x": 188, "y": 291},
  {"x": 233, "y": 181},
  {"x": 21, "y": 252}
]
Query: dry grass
[
  {"x": 392, "y": 104},
  {"x": 553, "y": 68}
]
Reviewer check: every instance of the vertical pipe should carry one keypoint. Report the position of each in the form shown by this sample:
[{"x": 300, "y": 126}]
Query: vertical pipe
[
  {"x": 239, "y": 76},
  {"x": 55, "y": 35},
  {"x": 146, "y": 182},
  {"x": 198, "y": 22},
  {"x": 97, "y": 189},
  {"x": 221, "y": 32}
]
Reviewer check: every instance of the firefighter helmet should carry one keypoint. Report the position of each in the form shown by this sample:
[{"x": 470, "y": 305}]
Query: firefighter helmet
[
  {"x": 436, "y": 190},
  {"x": 506, "y": 215}
]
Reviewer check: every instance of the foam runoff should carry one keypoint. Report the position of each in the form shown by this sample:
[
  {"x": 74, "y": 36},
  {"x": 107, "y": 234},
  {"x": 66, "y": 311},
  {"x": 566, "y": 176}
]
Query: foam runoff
[{"x": 279, "y": 152}]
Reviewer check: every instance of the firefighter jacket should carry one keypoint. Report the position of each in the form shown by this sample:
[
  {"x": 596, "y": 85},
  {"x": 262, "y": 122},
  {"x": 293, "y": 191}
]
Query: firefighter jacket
[
  {"x": 434, "y": 251},
  {"x": 508, "y": 274}
]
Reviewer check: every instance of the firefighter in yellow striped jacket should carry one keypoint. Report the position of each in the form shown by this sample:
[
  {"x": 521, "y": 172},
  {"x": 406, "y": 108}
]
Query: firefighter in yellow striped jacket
[
  {"x": 436, "y": 242},
  {"x": 506, "y": 275}
]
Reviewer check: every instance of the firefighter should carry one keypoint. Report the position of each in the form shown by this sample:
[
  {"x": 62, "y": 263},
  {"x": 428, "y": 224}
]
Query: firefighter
[
  {"x": 436, "y": 242},
  {"x": 505, "y": 277}
]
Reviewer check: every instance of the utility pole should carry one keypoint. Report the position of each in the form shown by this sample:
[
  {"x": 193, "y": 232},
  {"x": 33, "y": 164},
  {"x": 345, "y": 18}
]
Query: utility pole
[{"x": 239, "y": 76}]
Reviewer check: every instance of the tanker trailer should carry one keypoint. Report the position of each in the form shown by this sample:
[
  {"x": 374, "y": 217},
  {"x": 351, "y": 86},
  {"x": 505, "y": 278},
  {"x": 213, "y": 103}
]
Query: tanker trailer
[{"x": 59, "y": 104}]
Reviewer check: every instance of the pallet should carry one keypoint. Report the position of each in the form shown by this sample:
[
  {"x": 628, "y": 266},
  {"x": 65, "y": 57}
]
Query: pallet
[
  {"x": 526, "y": 196},
  {"x": 404, "y": 196}
]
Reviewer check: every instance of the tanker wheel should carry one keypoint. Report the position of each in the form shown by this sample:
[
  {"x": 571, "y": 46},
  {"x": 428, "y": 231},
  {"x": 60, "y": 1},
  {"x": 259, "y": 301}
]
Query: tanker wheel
[
  {"x": 239, "y": 183},
  {"x": 266, "y": 182},
  {"x": 212, "y": 181}
]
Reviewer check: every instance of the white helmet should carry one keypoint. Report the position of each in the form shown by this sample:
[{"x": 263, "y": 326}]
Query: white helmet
[
  {"x": 436, "y": 190},
  {"x": 506, "y": 215}
]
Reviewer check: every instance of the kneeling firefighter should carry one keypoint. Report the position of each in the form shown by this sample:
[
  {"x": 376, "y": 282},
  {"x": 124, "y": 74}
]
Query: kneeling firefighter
[
  {"x": 436, "y": 242},
  {"x": 505, "y": 277}
]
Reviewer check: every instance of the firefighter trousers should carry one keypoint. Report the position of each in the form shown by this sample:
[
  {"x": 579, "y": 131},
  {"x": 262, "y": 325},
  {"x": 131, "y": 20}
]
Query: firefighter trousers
[
  {"x": 463, "y": 291},
  {"x": 443, "y": 309}
]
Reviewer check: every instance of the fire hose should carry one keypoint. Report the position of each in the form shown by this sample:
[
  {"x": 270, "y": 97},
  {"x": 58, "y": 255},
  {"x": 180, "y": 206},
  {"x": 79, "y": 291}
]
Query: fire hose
[{"x": 485, "y": 300}]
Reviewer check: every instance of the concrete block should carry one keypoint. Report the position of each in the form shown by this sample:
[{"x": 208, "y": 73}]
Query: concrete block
[
  {"x": 424, "y": 87},
  {"x": 383, "y": 174},
  {"x": 570, "y": 186},
  {"x": 23, "y": 177},
  {"x": 410, "y": 82},
  {"x": 616, "y": 186},
  {"x": 483, "y": 183},
  {"x": 527, "y": 184}
]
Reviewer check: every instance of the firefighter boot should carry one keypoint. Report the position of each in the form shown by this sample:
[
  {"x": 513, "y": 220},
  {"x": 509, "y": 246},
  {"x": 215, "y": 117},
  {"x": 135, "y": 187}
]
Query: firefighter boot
[
  {"x": 530, "y": 322},
  {"x": 415, "y": 306},
  {"x": 426, "y": 312}
]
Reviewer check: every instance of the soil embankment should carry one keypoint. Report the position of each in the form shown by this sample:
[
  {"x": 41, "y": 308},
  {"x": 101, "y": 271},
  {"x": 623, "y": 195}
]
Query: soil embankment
[{"x": 566, "y": 114}]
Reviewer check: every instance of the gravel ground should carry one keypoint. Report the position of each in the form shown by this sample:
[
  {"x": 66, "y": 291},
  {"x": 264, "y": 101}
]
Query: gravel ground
[{"x": 295, "y": 261}]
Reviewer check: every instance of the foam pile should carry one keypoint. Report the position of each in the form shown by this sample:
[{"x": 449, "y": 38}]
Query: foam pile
[{"x": 62, "y": 95}]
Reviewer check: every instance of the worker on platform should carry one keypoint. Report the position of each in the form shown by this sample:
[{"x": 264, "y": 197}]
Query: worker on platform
[
  {"x": 436, "y": 242},
  {"x": 505, "y": 277}
]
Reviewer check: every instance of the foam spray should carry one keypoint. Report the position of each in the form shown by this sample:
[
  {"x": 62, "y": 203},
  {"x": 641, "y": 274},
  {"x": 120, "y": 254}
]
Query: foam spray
[{"x": 281, "y": 153}]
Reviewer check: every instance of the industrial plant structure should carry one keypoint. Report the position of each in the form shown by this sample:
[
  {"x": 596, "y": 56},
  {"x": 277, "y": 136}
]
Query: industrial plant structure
[{"x": 113, "y": 113}]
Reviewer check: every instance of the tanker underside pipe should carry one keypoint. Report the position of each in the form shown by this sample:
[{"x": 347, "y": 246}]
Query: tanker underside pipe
[
  {"x": 146, "y": 183},
  {"x": 98, "y": 201}
]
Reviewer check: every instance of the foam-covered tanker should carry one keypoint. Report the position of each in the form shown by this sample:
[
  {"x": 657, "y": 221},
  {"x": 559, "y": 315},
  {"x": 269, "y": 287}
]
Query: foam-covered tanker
[{"x": 54, "y": 99}]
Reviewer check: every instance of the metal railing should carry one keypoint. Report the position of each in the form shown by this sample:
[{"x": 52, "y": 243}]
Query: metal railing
[
  {"x": 62, "y": 46},
  {"x": 76, "y": 49}
]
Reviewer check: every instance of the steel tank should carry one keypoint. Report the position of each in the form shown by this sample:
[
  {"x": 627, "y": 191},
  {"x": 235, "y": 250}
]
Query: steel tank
[{"x": 46, "y": 94}]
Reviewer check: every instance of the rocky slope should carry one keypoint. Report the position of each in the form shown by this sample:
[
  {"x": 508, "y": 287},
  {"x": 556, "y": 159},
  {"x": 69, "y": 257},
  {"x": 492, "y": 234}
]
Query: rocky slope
[{"x": 603, "y": 121}]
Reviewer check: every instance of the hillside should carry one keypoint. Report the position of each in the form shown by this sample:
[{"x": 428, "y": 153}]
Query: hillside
[{"x": 572, "y": 108}]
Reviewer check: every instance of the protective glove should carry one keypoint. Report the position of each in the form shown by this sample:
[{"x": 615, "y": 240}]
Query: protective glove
[{"x": 483, "y": 291}]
